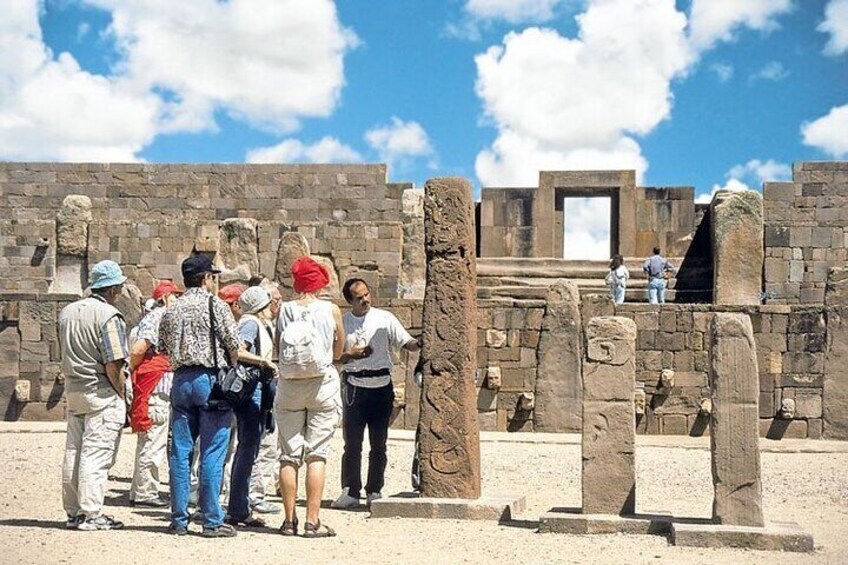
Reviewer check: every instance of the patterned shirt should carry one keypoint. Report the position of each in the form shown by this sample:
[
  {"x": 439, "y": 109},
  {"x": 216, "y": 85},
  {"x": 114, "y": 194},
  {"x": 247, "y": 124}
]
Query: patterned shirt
[
  {"x": 114, "y": 340},
  {"x": 148, "y": 327},
  {"x": 185, "y": 328}
]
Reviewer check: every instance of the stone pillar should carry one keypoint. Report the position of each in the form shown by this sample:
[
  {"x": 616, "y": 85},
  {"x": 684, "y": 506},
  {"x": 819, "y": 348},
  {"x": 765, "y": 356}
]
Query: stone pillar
[
  {"x": 559, "y": 385},
  {"x": 293, "y": 246},
  {"x": 449, "y": 446},
  {"x": 835, "y": 392},
  {"x": 737, "y": 237},
  {"x": 609, "y": 424},
  {"x": 72, "y": 222},
  {"x": 734, "y": 421}
]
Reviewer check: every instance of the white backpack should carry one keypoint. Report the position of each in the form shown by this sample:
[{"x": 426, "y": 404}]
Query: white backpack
[{"x": 297, "y": 343}]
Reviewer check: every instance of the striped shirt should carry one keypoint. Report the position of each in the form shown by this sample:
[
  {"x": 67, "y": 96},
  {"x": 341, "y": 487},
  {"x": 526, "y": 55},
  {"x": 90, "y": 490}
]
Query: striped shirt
[{"x": 114, "y": 340}]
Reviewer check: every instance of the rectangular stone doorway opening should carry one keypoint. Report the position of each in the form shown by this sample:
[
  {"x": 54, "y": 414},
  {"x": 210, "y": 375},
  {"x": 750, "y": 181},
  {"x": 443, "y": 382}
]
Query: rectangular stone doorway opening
[{"x": 587, "y": 227}]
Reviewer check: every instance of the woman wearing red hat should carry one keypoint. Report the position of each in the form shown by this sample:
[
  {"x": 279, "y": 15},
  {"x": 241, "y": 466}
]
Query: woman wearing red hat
[
  {"x": 151, "y": 403},
  {"x": 308, "y": 400}
]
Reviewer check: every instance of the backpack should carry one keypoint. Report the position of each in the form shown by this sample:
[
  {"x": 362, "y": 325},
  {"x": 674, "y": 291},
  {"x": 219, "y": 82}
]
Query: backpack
[{"x": 297, "y": 346}]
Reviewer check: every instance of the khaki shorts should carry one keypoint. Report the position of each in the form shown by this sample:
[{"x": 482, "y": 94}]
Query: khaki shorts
[{"x": 307, "y": 412}]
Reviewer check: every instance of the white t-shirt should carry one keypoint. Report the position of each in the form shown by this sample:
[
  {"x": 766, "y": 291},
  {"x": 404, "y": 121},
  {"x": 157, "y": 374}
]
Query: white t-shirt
[{"x": 381, "y": 330}]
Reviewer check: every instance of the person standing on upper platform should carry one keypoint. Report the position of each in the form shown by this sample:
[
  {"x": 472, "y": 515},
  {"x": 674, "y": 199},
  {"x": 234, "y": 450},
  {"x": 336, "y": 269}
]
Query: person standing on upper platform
[{"x": 656, "y": 266}]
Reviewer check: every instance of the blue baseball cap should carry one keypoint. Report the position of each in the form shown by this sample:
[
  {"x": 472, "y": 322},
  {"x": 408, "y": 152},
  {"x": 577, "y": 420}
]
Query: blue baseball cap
[{"x": 105, "y": 274}]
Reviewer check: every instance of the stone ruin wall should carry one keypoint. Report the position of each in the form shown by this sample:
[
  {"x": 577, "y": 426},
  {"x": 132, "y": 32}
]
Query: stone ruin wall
[
  {"x": 798, "y": 345},
  {"x": 148, "y": 218},
  {"x": 806, "y": 231}
]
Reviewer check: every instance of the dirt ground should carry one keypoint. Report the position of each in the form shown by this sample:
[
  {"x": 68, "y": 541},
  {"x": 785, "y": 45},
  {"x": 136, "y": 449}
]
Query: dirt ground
[{"x": 809, "y": 488}]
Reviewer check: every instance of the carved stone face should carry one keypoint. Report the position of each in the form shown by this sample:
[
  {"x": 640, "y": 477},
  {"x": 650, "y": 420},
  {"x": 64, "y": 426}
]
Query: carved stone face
[
  {"x": 639, "y": 401},
  {"x": 706, "y": 406},
  {"x": 787, "y": 408},
  {"x": 667, "y": 378}
]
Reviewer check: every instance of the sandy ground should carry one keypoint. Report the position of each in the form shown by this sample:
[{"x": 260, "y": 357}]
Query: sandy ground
[{"x": 809, "y": 488}]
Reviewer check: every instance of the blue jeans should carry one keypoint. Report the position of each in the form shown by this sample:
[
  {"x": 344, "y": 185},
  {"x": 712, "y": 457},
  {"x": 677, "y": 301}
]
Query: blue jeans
[
  {"x": 656, "y": 291},
  {"x": 191, "y": 418},
  {"x": 618, "y": 294},
  {"x": 249, "y": 426}
]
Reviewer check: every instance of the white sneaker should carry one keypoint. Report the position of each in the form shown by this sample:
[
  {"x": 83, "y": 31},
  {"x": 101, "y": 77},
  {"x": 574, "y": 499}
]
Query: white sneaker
[
  {"x": 345, "y": 501},
  {"x": 101, "y": 522},
  {"x": 372, "y": 496}
]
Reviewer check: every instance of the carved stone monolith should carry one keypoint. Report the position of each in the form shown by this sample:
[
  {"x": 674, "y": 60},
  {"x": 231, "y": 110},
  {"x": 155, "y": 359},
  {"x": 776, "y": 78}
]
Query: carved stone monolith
[
  {"x": 737, "y": 234},
  {"x": 72, "y": 225},
  {"x": 238, "y": 247},
  {"x": 734, "y": 422},
  {"x": 559, "y": 385},
  {"x": 449, "y": 447},
  {"x": 293, "y": 246},
  {"x": 609, "y": 424}
]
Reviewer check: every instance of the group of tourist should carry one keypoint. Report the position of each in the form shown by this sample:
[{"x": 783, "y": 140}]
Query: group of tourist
[
  {"x": 168, "y": 376},
  {"x": 656, "y": 267}
]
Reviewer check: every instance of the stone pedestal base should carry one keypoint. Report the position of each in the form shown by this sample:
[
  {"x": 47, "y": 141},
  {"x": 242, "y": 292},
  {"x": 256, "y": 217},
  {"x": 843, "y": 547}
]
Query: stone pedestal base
[
  {"x": 410, "y": 505},
  {"x": 775, "y": 536},
  {"x": 571, "y": 521}
]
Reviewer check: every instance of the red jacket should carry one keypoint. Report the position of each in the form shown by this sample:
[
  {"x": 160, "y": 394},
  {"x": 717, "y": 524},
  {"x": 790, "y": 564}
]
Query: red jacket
[{"x": 145, "y": 378}]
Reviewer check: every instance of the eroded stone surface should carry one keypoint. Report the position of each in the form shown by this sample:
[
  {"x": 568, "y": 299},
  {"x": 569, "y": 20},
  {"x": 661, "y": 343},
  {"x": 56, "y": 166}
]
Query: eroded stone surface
[
  {"x": 835, "y": 392},
  {"x": 559, "y": 385},
  {"x": 72, "y": 225},
  {"x": 737, "y": 227},
  {"x": 130, "y": 303},
  {"x": 413, "y": 270},
  {"x": 238, "y": 246},
  {"x": 332, "y": 291},
  {"x": 293, "y": 246},
  {"x": 609, "y": 424},
  {"x": 449, "y": 448},
  {"x": 734, "y": 422}
]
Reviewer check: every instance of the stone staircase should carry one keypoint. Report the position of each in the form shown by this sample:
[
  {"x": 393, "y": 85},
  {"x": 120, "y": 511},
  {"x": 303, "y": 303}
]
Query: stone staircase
[{"x": 530, "y": 277}]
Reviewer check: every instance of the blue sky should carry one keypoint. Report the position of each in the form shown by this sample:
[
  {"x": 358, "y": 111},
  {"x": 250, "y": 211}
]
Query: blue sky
[{"x": 709, "y": 93}]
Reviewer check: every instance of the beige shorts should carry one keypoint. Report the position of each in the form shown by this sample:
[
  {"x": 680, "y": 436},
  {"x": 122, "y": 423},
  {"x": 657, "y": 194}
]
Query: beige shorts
[{"x": 307, "y": 412}]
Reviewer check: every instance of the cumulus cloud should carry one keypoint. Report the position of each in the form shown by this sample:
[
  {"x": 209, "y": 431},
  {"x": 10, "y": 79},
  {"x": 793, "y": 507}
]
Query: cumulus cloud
[
  {"x": 712, "y": 21},
  {"x": 773, "y": 71},
  {"x": 327, "y": 150},
  {"x": 399, "y": 141},
  {"x": 513, "y": 11},
  {"x": 750, "y": 176},
  {"x": 586, "y": 229},
  {"x": 51, "y": 109},
  {"x": 723, "y": 71},
  {"x": 560, "y": 102},
  {"x": 829, "y": 133},
  {"x": 268, "y": 63},
  {"x": 836, "y": 24}
]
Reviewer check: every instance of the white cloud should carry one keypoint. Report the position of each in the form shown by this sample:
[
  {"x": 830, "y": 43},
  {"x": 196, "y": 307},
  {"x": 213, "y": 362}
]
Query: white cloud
[
  {"x": 773, "y": 71},
  {"x": 586, "y": 228},
  {"x": 51, "y": 109},
  {"x": 513, "y": 11},
  {"x": 560, "y": 102},
  {"x": 327, "y": 150},
  {"x": 82, "y": 31},
  {"x": 750, "y": 176},
  {"x": 399, "y": 141},
  {"x": 712, "y": 21},
  {"x": 267, "y": 62},
  {"x": 723, "y": 71},
  {"x": 829, "y": 133},
  {"x": 836, "y": 24}
]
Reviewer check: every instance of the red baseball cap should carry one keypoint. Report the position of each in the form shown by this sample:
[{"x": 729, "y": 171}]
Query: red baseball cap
[
  {"x": 165, "y": 287},
  {"x": 231, "y": 292}
]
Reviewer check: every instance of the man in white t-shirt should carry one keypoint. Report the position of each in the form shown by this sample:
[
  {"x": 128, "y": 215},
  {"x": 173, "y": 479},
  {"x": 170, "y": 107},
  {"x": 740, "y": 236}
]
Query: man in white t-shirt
[{"x": 368, "y": 394}]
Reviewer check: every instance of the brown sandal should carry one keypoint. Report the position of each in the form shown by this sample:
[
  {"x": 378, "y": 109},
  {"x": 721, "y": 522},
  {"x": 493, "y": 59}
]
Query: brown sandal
[
  {"x": 318, "y": 530},
  {"x": 289, "y": 527}
]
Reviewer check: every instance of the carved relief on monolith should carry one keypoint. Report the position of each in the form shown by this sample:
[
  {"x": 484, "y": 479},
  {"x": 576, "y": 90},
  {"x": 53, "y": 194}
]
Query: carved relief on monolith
[
  {"x": 449, "y": 447},
  {"x": 609, "y": 424},
  {"x": 734, "y": 422}
]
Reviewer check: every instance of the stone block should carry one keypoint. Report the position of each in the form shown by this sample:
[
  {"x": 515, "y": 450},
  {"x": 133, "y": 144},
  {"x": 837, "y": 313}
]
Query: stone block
[
  {"x": 559, "y": 381},
  {"x": 775, "y": 536},
  {"x": 412, "y": 506},
  {"x": 737, "y": 236},
  {"x": 72, "y": 223},
  {"x": 734, "y": 423}
]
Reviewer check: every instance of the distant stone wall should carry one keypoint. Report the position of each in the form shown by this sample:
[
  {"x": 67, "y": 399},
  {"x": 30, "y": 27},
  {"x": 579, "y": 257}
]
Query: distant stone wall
[
  {"x": 806, "y": 231},
  {"x": 149, "y": 217},
  {"x": 790, "y": 349}
]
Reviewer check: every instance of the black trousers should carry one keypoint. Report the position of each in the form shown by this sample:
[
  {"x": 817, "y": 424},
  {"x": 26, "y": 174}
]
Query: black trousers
[{"x": 371, "y": 407}]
